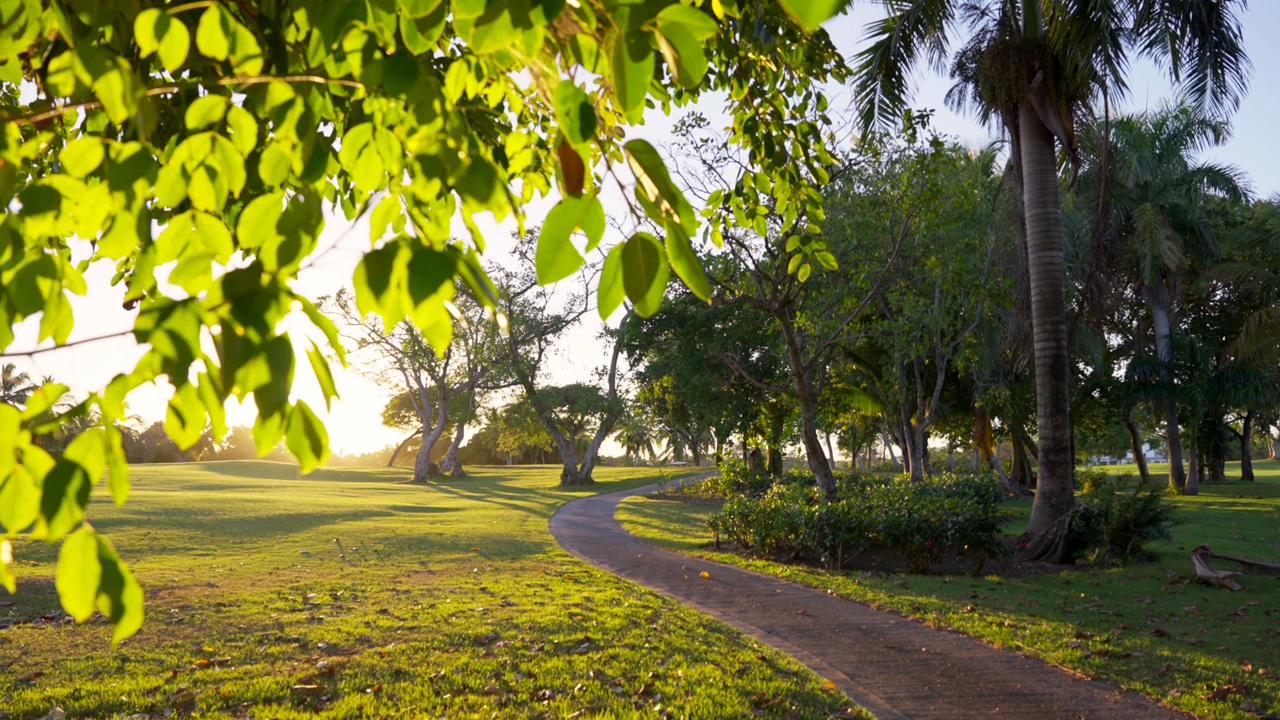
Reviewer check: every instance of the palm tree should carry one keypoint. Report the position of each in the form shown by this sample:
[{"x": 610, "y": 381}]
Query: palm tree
[
  {"x": 15, "y": 387},
  {"x": 1158, "y": 199},
  {"x": 636, "y": 436},
  {"x": 1035, "y": 65}
]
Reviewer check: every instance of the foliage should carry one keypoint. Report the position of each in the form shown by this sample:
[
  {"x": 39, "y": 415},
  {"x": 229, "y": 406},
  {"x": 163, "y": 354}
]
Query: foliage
[
  {"x": 919, "y": 520},
  {"x": 1116, "y": 523},
  {"x": 215, "y": 137},
  {"x": 1144, "y": 626}
]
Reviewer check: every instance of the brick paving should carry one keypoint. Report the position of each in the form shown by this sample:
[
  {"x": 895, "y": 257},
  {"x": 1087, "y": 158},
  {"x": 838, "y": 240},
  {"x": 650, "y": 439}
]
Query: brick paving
[{"x": 893, "y": 667}]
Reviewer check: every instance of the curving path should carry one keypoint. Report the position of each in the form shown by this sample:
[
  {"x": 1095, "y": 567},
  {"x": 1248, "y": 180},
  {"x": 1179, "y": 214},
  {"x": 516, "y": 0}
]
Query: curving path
[{"x": 893, "y": 667}]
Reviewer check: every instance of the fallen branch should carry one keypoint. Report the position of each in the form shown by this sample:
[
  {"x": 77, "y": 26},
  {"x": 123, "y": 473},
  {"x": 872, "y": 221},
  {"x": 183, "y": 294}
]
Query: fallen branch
[
  {"x": 1269, "y": 568},
  {"x": 1200, "y": 557}
]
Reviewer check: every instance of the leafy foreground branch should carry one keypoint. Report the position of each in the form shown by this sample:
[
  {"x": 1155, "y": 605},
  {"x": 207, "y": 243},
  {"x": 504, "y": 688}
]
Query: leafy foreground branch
[{"x": 274, "y": 117}]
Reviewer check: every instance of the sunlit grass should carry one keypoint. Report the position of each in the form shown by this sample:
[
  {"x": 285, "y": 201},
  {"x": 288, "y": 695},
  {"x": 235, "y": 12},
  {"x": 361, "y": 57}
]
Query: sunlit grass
[
  {"x": 348, "y": 594},
  {"x": 1146, "y": 627}
]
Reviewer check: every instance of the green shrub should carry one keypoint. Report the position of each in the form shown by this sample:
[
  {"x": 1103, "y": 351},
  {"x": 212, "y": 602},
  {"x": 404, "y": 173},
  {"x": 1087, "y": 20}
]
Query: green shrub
[
  {"x": 1114, "y": 523},
  {"x": 922, "y": 521}
]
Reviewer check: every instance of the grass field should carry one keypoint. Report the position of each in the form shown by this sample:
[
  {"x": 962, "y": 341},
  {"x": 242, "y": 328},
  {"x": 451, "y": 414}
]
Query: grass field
[
  {"x": 1146, "y": 627},
  {"x": 350, "y": 595}
]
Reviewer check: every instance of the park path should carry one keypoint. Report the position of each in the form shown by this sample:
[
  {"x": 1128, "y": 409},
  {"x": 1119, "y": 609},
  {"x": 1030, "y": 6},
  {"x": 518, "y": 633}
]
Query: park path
[{"x": 893, "y": 667}]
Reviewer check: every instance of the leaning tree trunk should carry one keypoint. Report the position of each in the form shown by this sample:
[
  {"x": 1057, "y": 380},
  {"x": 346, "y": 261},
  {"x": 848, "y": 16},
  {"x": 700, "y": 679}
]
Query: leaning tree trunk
[
  {"x": 1135, "y": 442},
  {"x": 1246, "y": 449},
  {"x": 400, "y": 448},
  {"x": 1046, "y": 270}
]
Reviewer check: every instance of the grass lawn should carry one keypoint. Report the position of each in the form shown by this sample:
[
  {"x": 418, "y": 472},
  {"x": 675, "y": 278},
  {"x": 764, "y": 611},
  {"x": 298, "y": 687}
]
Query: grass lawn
[
  {"x": 347, "y": 594},
  {"x": 1208, "y": 651}
]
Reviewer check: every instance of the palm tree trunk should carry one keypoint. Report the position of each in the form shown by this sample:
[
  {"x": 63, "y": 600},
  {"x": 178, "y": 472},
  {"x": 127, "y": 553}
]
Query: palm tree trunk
[
  {"x": 1246, "y": 448},
  {"x": 1158, "y": 300},
  {"x": 1046, "y": 270}
]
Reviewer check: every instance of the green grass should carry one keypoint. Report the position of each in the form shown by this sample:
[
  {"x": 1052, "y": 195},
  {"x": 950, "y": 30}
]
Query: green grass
[
  {"x": 348, "y": 594},
  {"x": 1146, "y": 627}
]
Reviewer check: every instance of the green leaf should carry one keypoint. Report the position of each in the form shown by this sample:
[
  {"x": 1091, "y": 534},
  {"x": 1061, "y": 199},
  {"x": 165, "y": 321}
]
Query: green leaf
[
  {"x": 324, "y": 375},
  {"x": 175, "y": 42},
  {"x": 377, "y": 283},
  {"x": 662, "y": 199},
  {"x": 212, "y": 34},
  {"x": 185, "y": 416},
  {"x": 686, "y": 263},
  {"x": 794, "y": 263},
  {"x": 812, "y": 13},
  {"x": 557, "y": 258},
  {"x": 273, "y": 166},
  {"x": 206, "y": 111},
  {"x": 259, "y": 220},
  {"x": 827, "y": 260},
  {"x": 306, "y": 438},
  {"x": 682, "y": 31},
  {"x": 78, "y": 574},
  {"x": 575, "y": 113},
  {"x": 83, "y": 155},
  {"x": 644, "y": 272},
  {"x": 43, "y": 399},
  {"x": 612, "y": 292},
  {"x": 117, "y": 467},
  {"x": 120, "y": 596},
  {"x": 417, "y": 8},
  {"x": 805, "y": 270},
  {"x": 144, "y": 30},
  {"x": 633, "y": 65},
  {"x": 243, "y": 129}
]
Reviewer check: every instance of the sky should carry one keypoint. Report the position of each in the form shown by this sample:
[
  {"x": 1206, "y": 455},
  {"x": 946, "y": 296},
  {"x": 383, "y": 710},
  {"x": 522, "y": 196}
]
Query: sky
[{"x": 354, "y": 422}]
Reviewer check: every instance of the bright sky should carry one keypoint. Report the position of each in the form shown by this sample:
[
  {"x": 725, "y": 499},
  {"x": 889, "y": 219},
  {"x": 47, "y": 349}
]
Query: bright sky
[{"x": 354, "y": 423}]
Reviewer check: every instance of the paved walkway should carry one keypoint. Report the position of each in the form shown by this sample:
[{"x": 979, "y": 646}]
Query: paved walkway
[{"x": 895, "y": 668}]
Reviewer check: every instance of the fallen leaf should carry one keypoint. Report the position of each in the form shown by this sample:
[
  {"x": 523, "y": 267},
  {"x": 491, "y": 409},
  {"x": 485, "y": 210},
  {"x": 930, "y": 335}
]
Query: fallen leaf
[
  {"x": 30, "y": 675},
  {"x": 307, "y": 690},
  {"x": 704, "y": 574}
]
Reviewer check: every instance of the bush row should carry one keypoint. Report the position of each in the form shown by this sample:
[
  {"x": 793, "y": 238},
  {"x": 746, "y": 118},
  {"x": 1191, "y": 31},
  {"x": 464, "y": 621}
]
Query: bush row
[{"x": 921, "y": 521}]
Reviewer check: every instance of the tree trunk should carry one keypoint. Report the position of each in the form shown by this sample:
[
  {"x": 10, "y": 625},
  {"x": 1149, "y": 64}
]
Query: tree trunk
[
  {"x": 1192, "y": 484},
  {"x": 400, "y": 448},
  {"x": 451, "y": 464},
  {"x": 1159, "y": 301},
  {"x": 1020, "y": 470},
  {"x": 807, "y": 400},
  {"x": 831, "y": 453},
  {"x": 1046, "y": 271},
  {"x": 1218, "y": 452},
  {"x": 1246, "y": 449},
  {"x": 1135, "y": 442},
  {"x": 888, "y": 446},
  {"x": 918, "y": 444}
]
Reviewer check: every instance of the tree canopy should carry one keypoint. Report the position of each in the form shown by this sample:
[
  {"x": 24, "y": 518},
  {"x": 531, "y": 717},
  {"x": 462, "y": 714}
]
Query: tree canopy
[{"x": 200, "y": 148}]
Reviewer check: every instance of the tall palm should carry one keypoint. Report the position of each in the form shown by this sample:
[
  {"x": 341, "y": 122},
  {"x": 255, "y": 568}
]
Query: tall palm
[
  {"x": 1159, "y": 195},
  {"x": 15, "y": 387},
  {"x": 635, "y": 435},
  {"x": 1035, "y": 65}
]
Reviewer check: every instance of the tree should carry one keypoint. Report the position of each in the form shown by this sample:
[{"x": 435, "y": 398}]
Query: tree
[
  {"x": 1034, "y": 65},
  {"x": 1159, "y": 200},
  {"x": 15, "y": 387},
  {"x": 218, "y": 134},
  {"x": 634, "y": 433}
]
